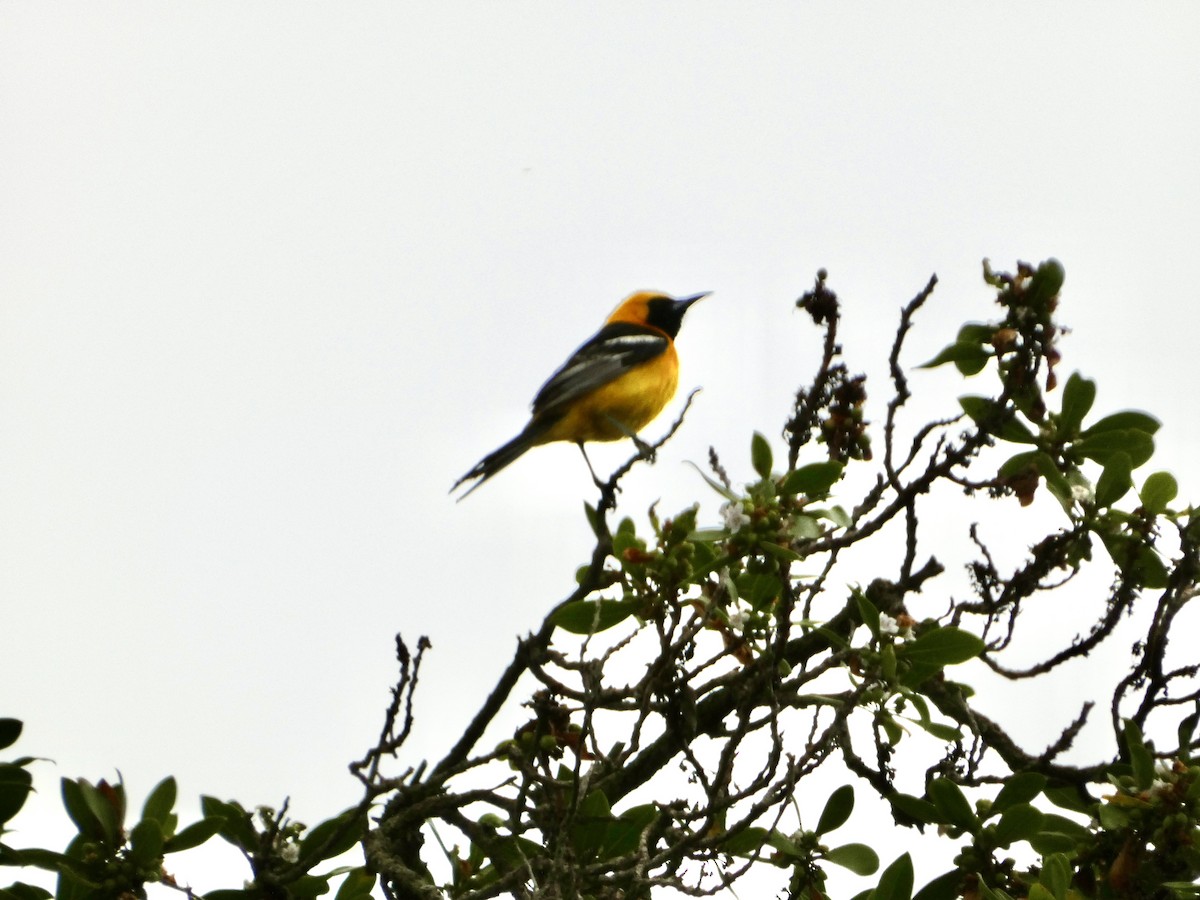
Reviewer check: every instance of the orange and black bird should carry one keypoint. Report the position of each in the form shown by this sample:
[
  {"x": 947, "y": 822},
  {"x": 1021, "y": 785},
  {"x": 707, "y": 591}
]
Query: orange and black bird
[{"x": 610, "y": 388}]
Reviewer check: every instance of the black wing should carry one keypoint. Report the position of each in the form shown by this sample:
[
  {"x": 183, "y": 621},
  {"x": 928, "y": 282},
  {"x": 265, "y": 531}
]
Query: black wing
[{"x": 613, "y": 351}]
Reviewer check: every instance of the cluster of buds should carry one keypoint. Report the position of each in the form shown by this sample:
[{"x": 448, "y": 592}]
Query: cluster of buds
[
  {"x": 546, "y": 734},
  {"x": 1028, "y": 334},
  {"x": 844, "y": 430}
]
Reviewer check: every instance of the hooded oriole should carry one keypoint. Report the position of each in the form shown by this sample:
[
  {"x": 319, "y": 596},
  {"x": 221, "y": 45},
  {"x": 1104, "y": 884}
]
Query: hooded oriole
[{"x": 610, "y": 388}]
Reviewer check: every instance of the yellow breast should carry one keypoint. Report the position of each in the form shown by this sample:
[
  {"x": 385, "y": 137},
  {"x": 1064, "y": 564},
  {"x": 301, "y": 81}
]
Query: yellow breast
[{"x": 622, "y": 407}]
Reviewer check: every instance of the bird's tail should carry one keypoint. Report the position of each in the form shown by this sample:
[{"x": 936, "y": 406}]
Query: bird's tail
[{"x": 501, "y": 457}]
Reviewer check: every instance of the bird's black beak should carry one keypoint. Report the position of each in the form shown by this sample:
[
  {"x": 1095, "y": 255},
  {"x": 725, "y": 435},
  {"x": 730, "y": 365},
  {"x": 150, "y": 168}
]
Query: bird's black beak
[{"x": 682, "y": 304}]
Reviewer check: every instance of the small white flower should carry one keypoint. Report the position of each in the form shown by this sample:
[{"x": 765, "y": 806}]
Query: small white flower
[
  {"x": 1081, "y": 493},
  {"x": 734, "y": 516},
  {"x": 1164, "y": 777},
  {"x": 737, "y": 619},
  {"x": 289, "y": 852},
  {"x": 890, "y": 626}
]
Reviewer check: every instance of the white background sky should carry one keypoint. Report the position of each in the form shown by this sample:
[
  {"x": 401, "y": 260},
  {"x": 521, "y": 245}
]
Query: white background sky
[{"x": 273, "y": 275}]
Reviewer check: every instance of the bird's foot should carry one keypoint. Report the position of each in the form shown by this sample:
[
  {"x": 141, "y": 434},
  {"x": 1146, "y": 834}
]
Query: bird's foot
[{"x": 645, "y": 450}]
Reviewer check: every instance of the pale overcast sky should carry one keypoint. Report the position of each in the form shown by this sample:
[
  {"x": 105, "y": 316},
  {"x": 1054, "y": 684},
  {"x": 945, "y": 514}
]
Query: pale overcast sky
[{"x": 273, "y": 275}]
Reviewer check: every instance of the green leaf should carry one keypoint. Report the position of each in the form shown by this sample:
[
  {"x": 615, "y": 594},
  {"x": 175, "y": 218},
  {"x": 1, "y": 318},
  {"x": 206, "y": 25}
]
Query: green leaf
[
  {"x": 19, "y": 890},
  {"x": 784, "y": 844},
  {"x": 934, "y": 650},
  {"x": 1113, "y": 817},
  {"x": 976, "y": 332},
  {"x": 591, "y": 616},
  {"x": 985, "y": 891},
  {"x": 625, "y": 832},
  {"x": 896, "y": 882},
  {"x": 745, "y": 842},
  {"x": 836, "y": 515},
  {"x": 918, "y": 702},
  {"x": 837, "y": 810},
  {"x": 1149, "y": 569},
  {"x": 10, "y": 730},
  {"x": 894, "y": 730},
  {"x": 341, "y": 833},
  {"x": 512, "y": 853},
  {"x": 760, "y": 455},
  {"x": 1061, "y": 824},
  {"x": 944, "y": 646},
  {"x": 107, "y": 803},
  {"x": 814, "y": 479},
  {"x": 1183, "y": 889},
  {"x": 1019, "y": 788},
  {"x": 1047, "y": 281},
  {"x": 1137, "y": 561},
  {"x": 940, "y": 730},
  {"x": 708, "y": 562},
  {"x": 236, "y": 824},
  {"x": 944, "y": 887},
  {"x": 1056, "y": 875},
  {"x": 715, "y": 485},
  {"x": 804, "y": 527},
  {"x": 37, "y": 858},
  {"x": 832, "y": 637},
  {"x": 981, "y": 410},
  {"x": 1187, "y": 727},
  {"x": 759, "y": 588},
  {"x": 1115, "y": 481},
  {"x": 357, "y": 885},
  {"x": 1052, "y": 842},
  {"x": 1019, "y": 462},
  {"x": 1078, "y": 396},
  {"x": 308, "y": 886},
  {"x": 193, "y": 835},
  {"x": 1015, "y": 432},
  {"x": 146, "y": 842},
  {"x": 78, "y": 810},
  {"x": 626, "y": 539},
  {"x": 592, "y": 818},
  {"x": 1158, "y": 491},
  {"x": 15, "y": 786},
  {"x": 595, "y": 521},
  {"x": 970, "y": 356},
  {"x": 952, "y": 804},
  {"x": 1103, "y": 445},
  {"x": 858, "y": 858},
  {"x": 1045, "y": 466},
  {"x": 1018, "y": 823},
  {"x": 916, "y": 808},
  {"x": 1128, "y": 420},
  {"x": 1140, "y": 757},
  {"x": 594, "y": 804},
  {"x": 995, "y": 419},
  {"x": 161, "y": 801},
  {"x": 973, "y": 365},
  {"x": 867, "y": 611},
  {"x": 73, "y": 883},
  {"x": 780, "y": 552},
  {"x": 887, "y": 665}
]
